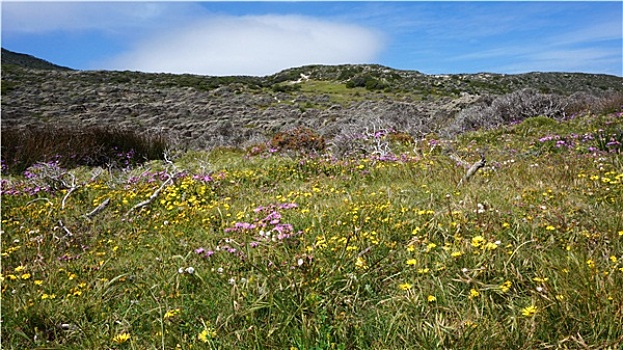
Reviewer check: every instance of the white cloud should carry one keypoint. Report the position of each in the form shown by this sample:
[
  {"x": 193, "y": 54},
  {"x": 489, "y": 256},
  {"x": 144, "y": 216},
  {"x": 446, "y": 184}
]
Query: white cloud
[
  {"x": 42, "y": 17},
  {"x": 250, "y": 45}
]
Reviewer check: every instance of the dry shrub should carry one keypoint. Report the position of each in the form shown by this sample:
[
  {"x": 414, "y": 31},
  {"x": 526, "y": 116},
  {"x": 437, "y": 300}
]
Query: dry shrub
[
  {"x": 300, "y": 139},
  {"x": 72, "y": 147}
]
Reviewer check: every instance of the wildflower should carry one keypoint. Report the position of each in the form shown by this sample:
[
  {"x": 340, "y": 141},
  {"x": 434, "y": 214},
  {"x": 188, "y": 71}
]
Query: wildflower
[
  {"x": 504, "y": 287},
  {"x": 48, "y": 296},
  {"x": 473, "y": 293},
  {"x": 430, "y": 247},
  {"x": 431, "y": 298},
  {"x": 20, "y": 269},
  {"x": 121, "y": 338},
  {"x": 456, "y": 254},
  {"x": 171, "y": 313},
  {"x": 590, "y": 263},
  {"x": 38, "y": 282},
  {"x": 560, "y": 297},
  {"x": 529, "y": 311},
  {"x": 540, "y": 279},
  {"x": 25, "y": 276},
  {"x": 550, "y": 228},
  {"x": 361, "y": 263},
  {"x": 411, "y": 262},
  {"x": 491, "y": 246},
  {"x": 477, "y": 241},
  {"x": 613, "y": 259},
  {"x": 190, "y": 270},
  {"x": 405, "y": 286},
  {"x": 206, "y": 334}
]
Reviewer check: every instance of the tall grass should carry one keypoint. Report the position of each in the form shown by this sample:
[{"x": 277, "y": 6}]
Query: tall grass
[
  {"x": 71, "y": 147},
  {"x": 272, "y": 251}
]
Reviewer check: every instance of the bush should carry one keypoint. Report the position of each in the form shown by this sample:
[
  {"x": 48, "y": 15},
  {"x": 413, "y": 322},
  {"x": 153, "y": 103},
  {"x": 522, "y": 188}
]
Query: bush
[
  {"x": 299, "y": 139},
  {"x": 510, "y": 108},
  {"x": 72, "y": 147}
]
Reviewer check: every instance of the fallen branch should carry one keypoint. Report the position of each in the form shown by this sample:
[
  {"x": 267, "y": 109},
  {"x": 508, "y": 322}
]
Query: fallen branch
[
  {"x": 98, "y": 209},
  {"x": 62, "y": 225},
  {"x": 473, "y": 169},
  {"x": 151, "y": 198},
  {"x": 71, "y": 187}
]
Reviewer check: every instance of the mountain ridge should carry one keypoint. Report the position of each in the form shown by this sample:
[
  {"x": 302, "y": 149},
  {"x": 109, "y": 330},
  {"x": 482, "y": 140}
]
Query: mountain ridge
[{"x": 29, "y": 61}]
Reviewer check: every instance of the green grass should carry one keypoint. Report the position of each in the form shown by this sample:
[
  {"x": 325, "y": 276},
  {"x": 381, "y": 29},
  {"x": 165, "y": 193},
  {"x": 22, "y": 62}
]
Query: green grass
[{"x": 373, "y": 254}]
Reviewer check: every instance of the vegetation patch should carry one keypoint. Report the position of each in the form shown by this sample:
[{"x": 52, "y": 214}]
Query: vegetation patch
[
  {"x": 280, "y": 250},
  {"x": 73, "y": 147}
]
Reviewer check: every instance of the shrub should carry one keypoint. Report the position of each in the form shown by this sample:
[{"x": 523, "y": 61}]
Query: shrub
[
  {"x": 299, "y": 139},
  {"x": 71, "y": 147},
  {"x": 510, "y": 108}
]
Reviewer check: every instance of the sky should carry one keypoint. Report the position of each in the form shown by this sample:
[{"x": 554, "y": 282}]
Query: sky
[{"x": 263, "y": 38}]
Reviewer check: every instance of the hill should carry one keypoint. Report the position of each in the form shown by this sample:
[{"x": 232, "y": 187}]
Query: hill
[
  {"x": 203, "y": 111},
  {"x": 28, "y": 61}
]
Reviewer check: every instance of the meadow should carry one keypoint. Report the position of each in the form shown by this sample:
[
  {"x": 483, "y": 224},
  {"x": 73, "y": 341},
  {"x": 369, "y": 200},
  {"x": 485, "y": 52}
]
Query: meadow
[{"x": 277, "y": 249}]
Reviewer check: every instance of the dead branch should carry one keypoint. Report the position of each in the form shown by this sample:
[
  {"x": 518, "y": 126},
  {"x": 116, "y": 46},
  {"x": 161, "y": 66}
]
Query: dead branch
[
  {"x": 71, "y": 187},
  {"x": 62, "y": 225},
  {"x": 473, "y": 169},
  {"x": 151, "y": 198},
  {"x": 98, "y": 209}
]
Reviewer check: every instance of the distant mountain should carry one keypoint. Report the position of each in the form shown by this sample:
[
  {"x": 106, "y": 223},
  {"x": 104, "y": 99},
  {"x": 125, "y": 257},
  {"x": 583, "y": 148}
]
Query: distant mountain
[{"x": 28, "y": 61}]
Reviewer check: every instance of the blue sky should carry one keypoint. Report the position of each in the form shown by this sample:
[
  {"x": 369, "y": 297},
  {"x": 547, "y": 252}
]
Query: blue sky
[{"x": 262, "y": 38}]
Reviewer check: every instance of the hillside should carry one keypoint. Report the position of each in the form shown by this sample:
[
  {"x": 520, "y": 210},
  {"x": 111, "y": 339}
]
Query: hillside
[
  {"x": 401, "y": 228},
  {"x": 28, "y": 61},
  {"x": 202, "y": 111}
]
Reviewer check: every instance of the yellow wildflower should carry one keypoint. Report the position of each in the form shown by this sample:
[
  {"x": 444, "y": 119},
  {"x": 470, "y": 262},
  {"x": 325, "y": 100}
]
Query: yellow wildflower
[
  {"x": 361, "y": 263},
  {"x": 477, "y": 241},
  {"x": 25, "y": 276},
  {"x": 431, "y": 298},
  {"x": 473, "y": 293},
  {"x": 121, "y": 338},
  {"x": 504, "y": 287},
  {"x": 171, "y": 313},
  {"x": 206, "y": 334},
  {"x": 405, "y": 286},
  {"x": 430, "y": 247},
  {"x": 491, "y": 246},
  {"x": 529, "y": 311},
  {"x": 411, "y": 262}
]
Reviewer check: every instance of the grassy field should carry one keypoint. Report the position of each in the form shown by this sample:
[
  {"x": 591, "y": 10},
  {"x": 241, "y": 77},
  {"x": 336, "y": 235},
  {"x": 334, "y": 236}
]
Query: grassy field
[{"x": 224, "y": 250}]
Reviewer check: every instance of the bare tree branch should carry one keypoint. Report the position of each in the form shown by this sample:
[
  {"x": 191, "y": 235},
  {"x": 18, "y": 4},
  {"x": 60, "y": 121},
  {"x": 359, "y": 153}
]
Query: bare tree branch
[
  {"x": 473, "y": 169},
  {"x": 98, "y": 209}
]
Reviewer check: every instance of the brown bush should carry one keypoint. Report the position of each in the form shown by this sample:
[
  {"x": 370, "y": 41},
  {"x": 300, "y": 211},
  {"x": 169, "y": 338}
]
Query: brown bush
[
  {"x": 300, "y": 139},
  {"x": 71, "y": 147}
]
